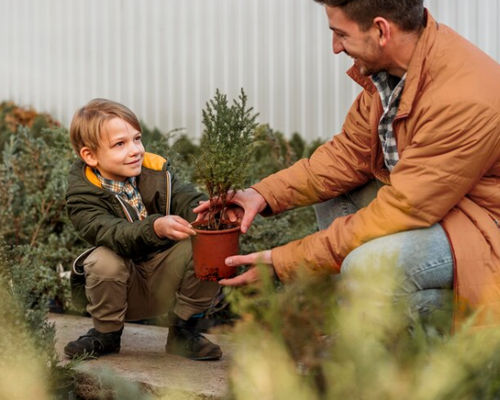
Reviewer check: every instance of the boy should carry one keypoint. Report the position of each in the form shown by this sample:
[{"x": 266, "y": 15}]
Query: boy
[{"x": 130, "y": 207}]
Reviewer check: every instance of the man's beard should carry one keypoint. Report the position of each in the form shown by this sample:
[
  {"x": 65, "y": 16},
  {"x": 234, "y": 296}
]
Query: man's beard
[{"x": 366, "y": 70}]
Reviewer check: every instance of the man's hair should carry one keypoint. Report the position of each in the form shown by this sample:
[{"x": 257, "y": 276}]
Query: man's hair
[
  {"x": 407, "y": 14},
  {"x": 87, "y": 123}
]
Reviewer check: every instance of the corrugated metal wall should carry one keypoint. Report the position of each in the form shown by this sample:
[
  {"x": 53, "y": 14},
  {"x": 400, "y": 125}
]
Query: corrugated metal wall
[{"x": 165, "y": 58}]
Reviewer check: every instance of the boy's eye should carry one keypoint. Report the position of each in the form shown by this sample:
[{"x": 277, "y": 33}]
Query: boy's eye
[{"x": 118, "y": 144}]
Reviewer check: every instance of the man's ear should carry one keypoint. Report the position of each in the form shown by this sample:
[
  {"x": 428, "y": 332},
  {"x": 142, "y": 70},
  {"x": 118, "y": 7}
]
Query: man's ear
[
  {"x": 383, "y": 28},
  {"x": 88, "y": 156}
]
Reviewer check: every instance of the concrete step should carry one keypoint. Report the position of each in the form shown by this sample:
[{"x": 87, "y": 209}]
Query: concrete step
[{"x": 143, "y": 359}]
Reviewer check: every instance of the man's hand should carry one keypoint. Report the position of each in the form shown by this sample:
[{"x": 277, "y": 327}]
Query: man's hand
[
  {"x": 173, "y": 227},
  {"x": 249, "y": 203},
  {"x": 253, "y": 274}
]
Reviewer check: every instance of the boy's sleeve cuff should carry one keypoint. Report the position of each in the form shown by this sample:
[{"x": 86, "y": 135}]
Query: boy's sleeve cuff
[{"x": 150, "y": 235}]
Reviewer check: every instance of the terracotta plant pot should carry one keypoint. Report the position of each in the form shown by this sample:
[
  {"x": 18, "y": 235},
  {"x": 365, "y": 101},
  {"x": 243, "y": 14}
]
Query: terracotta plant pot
[{"x": 210, "y": 249}]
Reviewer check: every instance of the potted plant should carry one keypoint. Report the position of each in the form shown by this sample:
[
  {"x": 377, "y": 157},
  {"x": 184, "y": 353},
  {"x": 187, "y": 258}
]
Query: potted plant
[{"x": 225, "y": 154}]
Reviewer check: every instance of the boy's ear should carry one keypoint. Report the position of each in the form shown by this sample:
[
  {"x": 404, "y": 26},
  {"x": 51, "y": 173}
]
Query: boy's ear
[{"x": 88, "y": 156}]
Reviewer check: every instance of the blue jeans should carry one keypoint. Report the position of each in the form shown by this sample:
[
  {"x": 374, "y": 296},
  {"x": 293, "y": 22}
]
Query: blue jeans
[{"x": 423, "y": 256}]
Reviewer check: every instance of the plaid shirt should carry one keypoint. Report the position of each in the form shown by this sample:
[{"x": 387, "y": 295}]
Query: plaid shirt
[
  {"x": 390, "y": 98},
  {"x": 127, "y": 190}
]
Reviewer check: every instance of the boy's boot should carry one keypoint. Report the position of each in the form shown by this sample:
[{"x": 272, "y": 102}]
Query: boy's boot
[
  {"x": 93, "y": 344},
  {"x": 185, "y": 340}
]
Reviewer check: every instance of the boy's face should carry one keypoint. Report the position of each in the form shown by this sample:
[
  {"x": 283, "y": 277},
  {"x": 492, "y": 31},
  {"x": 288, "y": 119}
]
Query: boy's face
[{"x": 120, "y": 152}]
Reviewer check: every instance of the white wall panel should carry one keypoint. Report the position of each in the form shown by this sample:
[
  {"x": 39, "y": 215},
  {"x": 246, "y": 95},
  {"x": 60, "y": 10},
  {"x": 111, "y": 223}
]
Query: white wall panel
[{"x": 165, "y": 58}]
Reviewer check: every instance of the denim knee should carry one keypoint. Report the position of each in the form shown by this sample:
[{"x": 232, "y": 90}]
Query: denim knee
[{"x": 421, "y": 257}]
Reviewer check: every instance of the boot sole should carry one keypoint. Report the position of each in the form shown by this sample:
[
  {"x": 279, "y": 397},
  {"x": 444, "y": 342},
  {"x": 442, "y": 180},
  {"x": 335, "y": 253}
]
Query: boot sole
[
  {"x": 87, "y": 356},
  {"x": 208, "y": 357}
]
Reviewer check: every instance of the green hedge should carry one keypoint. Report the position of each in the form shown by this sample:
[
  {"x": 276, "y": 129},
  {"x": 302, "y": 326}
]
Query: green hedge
[
  {"x": 37, "y": 241},
  {"x": 35, "y": 158}
]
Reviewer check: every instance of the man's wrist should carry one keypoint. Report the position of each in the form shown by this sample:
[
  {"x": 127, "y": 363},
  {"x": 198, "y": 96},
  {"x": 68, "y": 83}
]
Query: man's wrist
[{"x": 262, "y": 203}]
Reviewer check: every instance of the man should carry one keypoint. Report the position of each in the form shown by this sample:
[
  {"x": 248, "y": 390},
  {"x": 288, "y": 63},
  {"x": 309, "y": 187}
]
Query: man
[{"x": 424, "y": 137}]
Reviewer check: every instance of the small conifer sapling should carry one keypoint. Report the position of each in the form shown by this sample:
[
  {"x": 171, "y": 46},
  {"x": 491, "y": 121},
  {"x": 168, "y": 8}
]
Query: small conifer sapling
[{"x": 226, "y": 149}]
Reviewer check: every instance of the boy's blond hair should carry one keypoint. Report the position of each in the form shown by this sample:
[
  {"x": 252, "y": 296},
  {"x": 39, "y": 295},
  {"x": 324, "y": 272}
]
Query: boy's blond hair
[{"x": 87, "y": 123}]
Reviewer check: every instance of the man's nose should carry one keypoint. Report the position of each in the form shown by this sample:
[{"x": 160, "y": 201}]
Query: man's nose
[{"x": 337, "y": 45}]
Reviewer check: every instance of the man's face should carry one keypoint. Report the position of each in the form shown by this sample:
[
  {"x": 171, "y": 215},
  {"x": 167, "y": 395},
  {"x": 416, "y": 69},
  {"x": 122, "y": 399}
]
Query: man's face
[{"x": 363, "y": 47}]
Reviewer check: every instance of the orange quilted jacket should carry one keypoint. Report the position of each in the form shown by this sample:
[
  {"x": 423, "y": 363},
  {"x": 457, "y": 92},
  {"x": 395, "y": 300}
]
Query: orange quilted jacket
[{"x": 448, "y": 138}]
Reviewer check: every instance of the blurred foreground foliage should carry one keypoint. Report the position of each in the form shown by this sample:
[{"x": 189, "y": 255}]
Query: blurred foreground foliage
[{"x": 325, "y": 338}]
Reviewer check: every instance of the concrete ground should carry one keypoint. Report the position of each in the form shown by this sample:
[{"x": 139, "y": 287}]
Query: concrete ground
[{"x": 143, "y": 359}]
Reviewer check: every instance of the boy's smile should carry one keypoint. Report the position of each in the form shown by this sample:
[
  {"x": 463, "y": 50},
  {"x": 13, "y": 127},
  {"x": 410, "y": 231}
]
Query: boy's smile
[{"x": 120, "y": 152}]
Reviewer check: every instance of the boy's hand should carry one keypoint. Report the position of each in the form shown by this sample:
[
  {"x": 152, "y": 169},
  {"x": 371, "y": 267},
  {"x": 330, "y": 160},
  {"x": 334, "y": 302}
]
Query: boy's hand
[{"x": 173, "y": 227}]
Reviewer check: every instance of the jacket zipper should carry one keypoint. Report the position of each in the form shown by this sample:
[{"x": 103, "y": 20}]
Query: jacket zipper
[
  {"x": 125, "y": 210},
  {"x": 169, "y": 194}
]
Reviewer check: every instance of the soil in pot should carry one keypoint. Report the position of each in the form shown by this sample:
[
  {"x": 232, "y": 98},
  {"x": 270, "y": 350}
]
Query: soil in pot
[{"x": 210, "y": 249}]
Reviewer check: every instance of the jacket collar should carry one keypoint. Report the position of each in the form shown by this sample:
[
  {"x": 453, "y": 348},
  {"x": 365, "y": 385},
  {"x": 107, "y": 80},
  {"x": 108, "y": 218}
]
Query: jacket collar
[
  {"x": 415, "y": 69},
  {"x": 151, "y": 161}
]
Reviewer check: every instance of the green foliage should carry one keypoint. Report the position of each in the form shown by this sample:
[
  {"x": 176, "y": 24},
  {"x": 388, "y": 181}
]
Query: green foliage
[
  {"x": 225, "y": 151},
  {"x": 26, "y": 345},
  {"x": 12, "y": 117},
  {"x": 28, "y": 292},
  {"x": 186, "y": 151},
  {"x": 39, "y": 244},
  {"x": 154, "y": 140},
  {"x": 33, "y": 220},
  {"x": 325, "y": 338},
  {"x": 267, "y": 233},
  {"x": 273, "y": 153},
  {"x": 33, "y": 174}
]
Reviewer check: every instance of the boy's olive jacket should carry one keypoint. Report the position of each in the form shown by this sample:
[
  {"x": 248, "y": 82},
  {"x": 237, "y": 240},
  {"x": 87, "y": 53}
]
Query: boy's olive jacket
[{"x": 104, "y": 219}]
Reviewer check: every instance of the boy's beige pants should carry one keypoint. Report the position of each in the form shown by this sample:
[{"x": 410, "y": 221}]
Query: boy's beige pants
[{"x": 120, "y": 290}]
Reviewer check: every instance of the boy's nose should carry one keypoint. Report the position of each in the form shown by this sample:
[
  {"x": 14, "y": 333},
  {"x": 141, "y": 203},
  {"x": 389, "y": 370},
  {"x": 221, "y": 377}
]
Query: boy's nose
[{"x": 136, "y": 148}]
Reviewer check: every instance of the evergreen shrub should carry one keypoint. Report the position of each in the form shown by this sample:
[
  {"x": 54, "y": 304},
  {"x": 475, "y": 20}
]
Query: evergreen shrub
[{"x": 225, "y": 152}]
